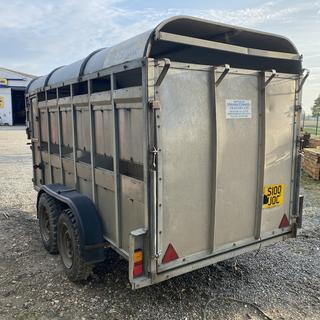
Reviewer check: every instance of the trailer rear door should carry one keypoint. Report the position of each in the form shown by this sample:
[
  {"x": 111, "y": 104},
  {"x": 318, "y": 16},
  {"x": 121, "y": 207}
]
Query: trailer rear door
[{"x": 210, "y": 136}]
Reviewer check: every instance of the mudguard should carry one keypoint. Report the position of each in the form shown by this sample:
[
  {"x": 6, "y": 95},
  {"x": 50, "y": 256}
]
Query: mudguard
[{"x": 90, "y": 225}]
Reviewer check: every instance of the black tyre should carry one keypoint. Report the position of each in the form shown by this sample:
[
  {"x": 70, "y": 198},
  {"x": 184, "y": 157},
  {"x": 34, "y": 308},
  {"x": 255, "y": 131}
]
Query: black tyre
[
  {"x": 75, "y": 267},
  {"x": 49, "y": 210}
]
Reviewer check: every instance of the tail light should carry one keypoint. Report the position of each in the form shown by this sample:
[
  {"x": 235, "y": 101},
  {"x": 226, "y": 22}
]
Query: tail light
[{"x": 137, "y": 263}]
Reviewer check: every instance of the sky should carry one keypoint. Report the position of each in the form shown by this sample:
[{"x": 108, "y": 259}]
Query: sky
[{"x": 39, "y": 35}]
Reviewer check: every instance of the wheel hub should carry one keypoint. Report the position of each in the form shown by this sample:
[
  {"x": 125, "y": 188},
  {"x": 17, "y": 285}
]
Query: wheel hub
[
  {"x": 66, "y": 247},
  {"x": 45, "y": 225}
]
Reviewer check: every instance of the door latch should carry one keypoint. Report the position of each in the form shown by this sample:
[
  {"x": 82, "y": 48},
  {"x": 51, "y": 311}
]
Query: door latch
[{"x": 154, "y": 153}]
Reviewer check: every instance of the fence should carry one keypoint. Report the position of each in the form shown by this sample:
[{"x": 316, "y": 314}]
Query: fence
[{"x": 311, "y": 125}]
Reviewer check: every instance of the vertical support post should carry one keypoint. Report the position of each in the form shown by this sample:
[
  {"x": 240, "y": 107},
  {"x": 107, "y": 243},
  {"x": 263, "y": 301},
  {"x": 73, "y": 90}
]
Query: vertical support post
[
  {"x": 59, "y": 136},
  {"x": 92, "y": 143},
  {"x": 214, "y": 136},
  {"x": 296, "y": 151},
  {"x": 39, "y": 138},
  {"x": 261, "y": 152},
  {"x": 116, "y": 173},
  {"x": 152, "y": 205},
  {"x": 30, "y": 127},
  {"x": 49, "y": 135},
  {"x": 74, "y": 137}
]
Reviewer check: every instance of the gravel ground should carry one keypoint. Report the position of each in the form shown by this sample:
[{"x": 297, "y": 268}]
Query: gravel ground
[{"x": 278, "y": 282}]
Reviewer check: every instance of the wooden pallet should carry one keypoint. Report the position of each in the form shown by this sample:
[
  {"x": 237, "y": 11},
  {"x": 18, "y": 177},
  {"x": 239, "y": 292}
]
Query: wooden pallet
[
  {"x": 311, "y": 162},
  {"x": 314, "y": 143}
]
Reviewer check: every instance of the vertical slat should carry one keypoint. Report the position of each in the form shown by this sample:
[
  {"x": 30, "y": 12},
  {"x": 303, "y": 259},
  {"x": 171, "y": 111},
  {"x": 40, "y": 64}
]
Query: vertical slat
[
  {"x": 59, "y": 136},
  {"x": 49, "y": 135},
  {"x": 74, "y": 138},
  {"x": 92, "y": 142},
  {"x": 116, "y": 163},
  {"x": 261, "y": 152},
  {"x": 214, "y": 133}
]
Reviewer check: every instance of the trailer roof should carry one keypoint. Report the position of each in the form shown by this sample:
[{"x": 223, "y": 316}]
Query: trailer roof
[{"x": 187, "y": 39}]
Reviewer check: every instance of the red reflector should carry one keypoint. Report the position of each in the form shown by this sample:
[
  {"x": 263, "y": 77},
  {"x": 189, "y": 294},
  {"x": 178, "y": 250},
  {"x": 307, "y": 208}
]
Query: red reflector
[
  {"x": 170, "y": 254},
  {"x": 137, "y": 269},
  {"x": 284, "y": 222}
]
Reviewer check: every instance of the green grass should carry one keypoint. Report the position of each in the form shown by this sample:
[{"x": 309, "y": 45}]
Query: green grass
[{"x": 312, "y": 130}]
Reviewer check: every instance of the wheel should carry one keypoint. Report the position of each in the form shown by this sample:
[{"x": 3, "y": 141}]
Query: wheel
[
  {"x": 49, "y": 210},
  {"x": 75, "y": 266}
]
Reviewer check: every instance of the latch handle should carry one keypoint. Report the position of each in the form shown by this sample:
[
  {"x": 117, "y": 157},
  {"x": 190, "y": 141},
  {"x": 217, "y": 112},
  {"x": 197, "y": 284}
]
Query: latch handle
[
  {"x": 273, "y": 74},
  {"x": 154, "y": 152},
  {"x": 303, "y": 79},
  {"x": 164, "y": 71},
  {"x": 223, "y": 74}
]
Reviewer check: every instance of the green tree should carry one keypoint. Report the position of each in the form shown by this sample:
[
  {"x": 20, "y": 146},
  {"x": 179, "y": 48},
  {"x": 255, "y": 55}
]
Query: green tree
[{"x": 316, "y": 107}]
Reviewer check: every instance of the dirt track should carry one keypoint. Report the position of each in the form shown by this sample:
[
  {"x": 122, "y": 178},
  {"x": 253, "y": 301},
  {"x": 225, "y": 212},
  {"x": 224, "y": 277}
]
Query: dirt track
[{"x": 282, "y": 280}]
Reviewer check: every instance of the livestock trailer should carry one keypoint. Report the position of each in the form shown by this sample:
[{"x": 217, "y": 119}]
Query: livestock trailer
[{"x": 177, "y": 148}]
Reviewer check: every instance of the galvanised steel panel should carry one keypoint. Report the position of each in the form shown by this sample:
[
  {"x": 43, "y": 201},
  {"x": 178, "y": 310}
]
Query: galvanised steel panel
[
  {"x": 66, "y": 132},
  {"x": 69, "y": 179},
  {"x": 237, "y": 160},
  {"x": 44, "y": 125},
  {"x": 131, "y": 134},
  {"x": 53, "y": 117},
  {"x": 105, "y": 205},
  {"x": 46, "y": 173},
  {"x": 56, "y": 175},
  {"x": 280, "y": 117},
  {"x": 83, "y": 129},
  {"x": 103, "y": 132},
  {"x": 132, "y": 209},
  {"x": 132, "y": 216},
  {"x": 36, "y": 141},
  {"x": 85, "y": 187},
  {"x": 186, "y": 152}
]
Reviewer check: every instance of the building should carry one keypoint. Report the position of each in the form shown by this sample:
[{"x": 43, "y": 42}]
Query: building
[{"x": 12, "y": 103}]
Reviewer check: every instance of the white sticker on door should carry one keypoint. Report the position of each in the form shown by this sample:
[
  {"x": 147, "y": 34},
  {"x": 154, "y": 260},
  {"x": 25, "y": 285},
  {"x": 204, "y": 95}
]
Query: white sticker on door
[{"x": 238, "y": 109}]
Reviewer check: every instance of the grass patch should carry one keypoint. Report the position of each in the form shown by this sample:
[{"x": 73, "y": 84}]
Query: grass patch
[{"x": 312, "y": 131}]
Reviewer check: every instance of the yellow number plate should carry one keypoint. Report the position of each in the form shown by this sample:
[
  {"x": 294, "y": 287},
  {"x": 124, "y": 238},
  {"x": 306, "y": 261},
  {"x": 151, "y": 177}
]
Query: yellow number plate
[{"x": 273, "y": 195}]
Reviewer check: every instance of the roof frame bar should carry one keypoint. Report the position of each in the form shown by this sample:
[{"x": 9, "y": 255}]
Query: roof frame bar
[{"x": 196, "y": 42}]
